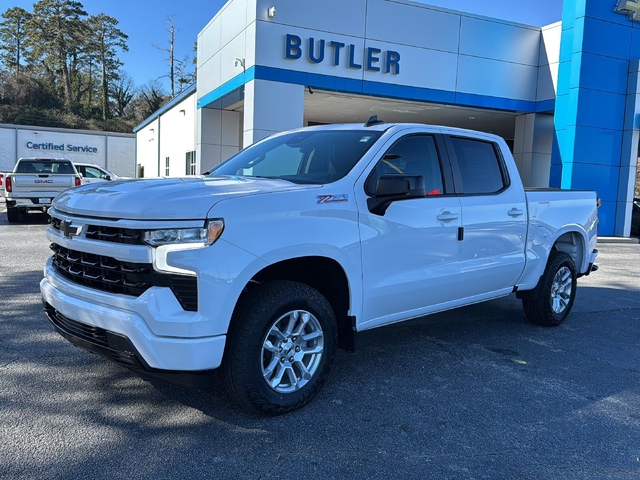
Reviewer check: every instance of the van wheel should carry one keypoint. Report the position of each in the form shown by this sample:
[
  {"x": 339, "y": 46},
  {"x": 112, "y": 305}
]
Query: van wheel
[
  {"x": 280, "y": 347},
  {"x": 13, "y": 215},
  {"x": 556, "y": 294}
]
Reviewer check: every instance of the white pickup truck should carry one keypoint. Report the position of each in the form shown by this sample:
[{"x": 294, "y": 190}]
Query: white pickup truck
[
  {"x": 35, "y": 182},
  {"x": 285, "y": 251}
]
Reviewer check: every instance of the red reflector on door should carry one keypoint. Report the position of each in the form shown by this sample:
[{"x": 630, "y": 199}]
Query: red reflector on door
[{"x": 434, "y": 192}]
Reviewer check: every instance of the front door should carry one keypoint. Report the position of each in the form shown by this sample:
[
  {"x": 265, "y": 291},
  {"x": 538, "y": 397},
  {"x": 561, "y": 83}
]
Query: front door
[{"x": 410, "y": 253}]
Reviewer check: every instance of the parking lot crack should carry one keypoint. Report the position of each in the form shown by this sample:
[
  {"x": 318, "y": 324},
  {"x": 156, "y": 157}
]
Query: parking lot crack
[{"x": 6, "y": 364}]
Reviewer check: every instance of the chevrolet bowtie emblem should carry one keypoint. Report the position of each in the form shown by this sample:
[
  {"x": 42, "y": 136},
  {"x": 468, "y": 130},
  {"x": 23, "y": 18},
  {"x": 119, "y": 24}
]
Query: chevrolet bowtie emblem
[
  {"x": 630, "y": 8},
  {"x": 69, "y": 230}
]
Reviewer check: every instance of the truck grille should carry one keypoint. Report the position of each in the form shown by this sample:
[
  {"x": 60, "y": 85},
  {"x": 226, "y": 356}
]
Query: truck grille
[
  {"x": 110, "y": 275},
  {"x": 107, "y": 234}
]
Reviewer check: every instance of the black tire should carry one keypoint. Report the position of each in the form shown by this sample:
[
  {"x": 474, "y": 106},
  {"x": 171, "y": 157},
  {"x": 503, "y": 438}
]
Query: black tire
[
  {"x": 13, "y": 215},
  {"x": 256, "y": 314},
  {"x": 539, "y": 310}
]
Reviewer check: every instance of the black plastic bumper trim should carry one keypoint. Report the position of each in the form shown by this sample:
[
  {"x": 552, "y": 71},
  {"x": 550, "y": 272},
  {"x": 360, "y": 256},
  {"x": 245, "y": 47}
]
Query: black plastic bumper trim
[{"x": 120, "y": 350}]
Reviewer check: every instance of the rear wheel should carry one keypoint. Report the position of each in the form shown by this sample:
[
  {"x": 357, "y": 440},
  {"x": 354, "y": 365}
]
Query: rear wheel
[
  {"x": 556, "y": 294},
  {"x": 13, "y": 215},
  {"x": 280, "y": 347}
]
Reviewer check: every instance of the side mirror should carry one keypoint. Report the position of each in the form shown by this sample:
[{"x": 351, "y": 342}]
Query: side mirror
[
  {"x": 393, "y": 187},
  {"x": 107, "y": 177}
]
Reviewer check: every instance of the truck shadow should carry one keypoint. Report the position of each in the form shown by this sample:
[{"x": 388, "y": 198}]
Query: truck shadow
[
  {"x": 33, "y": 218},
  {"x": 481, "y": 370},
  {"x": 475, "y": 340}
]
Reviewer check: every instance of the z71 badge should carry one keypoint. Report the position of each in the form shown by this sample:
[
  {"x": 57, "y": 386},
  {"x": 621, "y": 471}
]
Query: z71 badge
[{"x": 333, "y": 198}]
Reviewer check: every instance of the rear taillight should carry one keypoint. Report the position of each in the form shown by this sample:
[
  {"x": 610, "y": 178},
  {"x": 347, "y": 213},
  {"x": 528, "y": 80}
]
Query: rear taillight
[
  {"x": 7, "y": 184},
  {"x": 1, "y": 177},
  {"x": 78, "y": 181}
]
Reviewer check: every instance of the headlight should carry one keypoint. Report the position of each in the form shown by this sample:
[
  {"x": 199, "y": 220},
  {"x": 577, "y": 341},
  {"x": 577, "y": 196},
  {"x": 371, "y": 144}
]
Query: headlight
[{"x": 172, "y": 236}]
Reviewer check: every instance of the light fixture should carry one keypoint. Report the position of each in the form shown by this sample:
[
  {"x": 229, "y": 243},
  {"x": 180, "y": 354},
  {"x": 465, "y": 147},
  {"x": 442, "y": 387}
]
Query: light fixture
[
  {"x": 271, "y": 12},
  {"x": 238, "y": 61},
  {"x": 183, "y": 112},
  {"x": 310, "y": 91},
  {"x": 472, "y": 118}
]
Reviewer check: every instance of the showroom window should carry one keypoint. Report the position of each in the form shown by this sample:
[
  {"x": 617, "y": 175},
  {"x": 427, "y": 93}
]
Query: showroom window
[
  {"x": 166, "y": 167},
  {"x": 191, "y": 163}
]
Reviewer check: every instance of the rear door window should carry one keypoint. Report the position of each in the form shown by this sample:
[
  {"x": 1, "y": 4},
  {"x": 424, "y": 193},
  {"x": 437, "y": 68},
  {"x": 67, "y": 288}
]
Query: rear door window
[
  {"x": 478, "y": 167},
  {"x": 45, "y": 167}
]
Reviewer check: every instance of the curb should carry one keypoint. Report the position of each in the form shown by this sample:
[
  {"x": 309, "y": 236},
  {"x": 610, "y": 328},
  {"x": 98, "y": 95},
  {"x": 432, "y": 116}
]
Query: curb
[{"x": 623, "y": 240}]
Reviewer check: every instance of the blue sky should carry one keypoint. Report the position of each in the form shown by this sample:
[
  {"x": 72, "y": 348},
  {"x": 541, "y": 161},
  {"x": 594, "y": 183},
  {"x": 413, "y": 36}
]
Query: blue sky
[{"x": 144, "y": 22}]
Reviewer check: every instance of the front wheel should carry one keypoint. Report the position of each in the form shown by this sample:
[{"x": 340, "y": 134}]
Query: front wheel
[
  {"x": 556, "y": 294},
  {"x": 280, "y": 348}
]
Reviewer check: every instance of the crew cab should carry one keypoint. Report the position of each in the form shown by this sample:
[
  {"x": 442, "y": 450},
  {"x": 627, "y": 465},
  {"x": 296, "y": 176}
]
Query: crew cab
[
  {"x": 281, "y": 254},
  {"x": 35, "y": 182}
]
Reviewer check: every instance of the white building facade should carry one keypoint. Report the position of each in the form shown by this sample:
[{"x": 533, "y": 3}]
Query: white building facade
[
  {"x": 114, "y": 151},
  {"x": 265, "y": 66}
]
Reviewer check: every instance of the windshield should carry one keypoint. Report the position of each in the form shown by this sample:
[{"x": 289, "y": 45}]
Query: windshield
[
  {"x": 62, "y": 167},
  {"x": 311, "y": 156}
]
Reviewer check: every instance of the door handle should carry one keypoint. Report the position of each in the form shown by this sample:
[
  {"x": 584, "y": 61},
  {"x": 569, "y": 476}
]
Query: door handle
[
  {"x": 515, "y": 212},
  {"x": 447, "y": 216}
]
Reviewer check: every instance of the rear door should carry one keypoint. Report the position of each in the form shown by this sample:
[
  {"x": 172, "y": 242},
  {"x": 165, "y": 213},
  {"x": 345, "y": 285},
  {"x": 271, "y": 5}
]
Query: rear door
[
  {"x": 494, "y": 217},
  {"x": 410, "y": 252}
]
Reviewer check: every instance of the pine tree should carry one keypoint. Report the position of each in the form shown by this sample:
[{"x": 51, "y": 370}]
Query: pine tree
[
  {"x": 106, "y": 39},
  {"x": 13, "y": 36},
  {"x": 56, "y": 35}
]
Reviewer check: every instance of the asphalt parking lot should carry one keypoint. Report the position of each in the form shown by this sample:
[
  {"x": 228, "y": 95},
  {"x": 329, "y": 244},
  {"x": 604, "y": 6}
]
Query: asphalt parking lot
[{"x": 473, "y": 393}]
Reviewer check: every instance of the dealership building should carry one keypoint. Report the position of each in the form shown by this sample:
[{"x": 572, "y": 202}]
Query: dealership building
[
  {"x": 566, "y": 96},
  {"x": 113, "y": 151}
]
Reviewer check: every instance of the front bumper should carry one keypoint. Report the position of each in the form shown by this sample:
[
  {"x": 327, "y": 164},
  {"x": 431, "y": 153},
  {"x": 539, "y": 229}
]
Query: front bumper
[
  {"x": 119, "y": 349},
  {"x": 125, "y": 316}
]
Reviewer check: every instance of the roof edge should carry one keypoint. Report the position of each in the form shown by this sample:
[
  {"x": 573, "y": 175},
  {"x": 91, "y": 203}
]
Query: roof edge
[{"x": 190, "y": 90}]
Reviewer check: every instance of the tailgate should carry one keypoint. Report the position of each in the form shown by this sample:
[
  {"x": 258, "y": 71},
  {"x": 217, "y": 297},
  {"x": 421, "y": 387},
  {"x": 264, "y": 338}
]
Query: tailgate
[{"x": 41, "y": 183}]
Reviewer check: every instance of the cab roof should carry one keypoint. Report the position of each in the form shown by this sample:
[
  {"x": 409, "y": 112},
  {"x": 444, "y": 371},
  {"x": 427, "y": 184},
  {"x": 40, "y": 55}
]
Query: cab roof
[{"x": 403, "y": 126}]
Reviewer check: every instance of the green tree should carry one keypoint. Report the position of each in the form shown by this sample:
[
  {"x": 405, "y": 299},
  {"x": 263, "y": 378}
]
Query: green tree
[
  {"x": 151, "y": 98},
  {"x": 106, "y": 39},
  {"x": 57, "y": 32},
  {"x": 13, "y": 36},
  {"x": 122, "y": 93}
]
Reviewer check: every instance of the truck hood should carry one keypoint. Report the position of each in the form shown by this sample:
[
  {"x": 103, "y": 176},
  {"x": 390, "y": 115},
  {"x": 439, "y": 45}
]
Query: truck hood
[{"x": 164, "y": 198}]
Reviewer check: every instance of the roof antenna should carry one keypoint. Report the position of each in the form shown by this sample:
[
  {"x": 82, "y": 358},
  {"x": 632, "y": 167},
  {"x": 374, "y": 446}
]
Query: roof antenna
[{"x": 373, "y": 120}]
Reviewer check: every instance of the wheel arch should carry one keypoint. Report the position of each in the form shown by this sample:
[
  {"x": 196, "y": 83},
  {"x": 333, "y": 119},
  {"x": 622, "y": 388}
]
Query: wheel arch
[
  {"x": 323, "y": 273},
  {"x": 573, "y": 243},
  {"x": 570, "y": 241}
]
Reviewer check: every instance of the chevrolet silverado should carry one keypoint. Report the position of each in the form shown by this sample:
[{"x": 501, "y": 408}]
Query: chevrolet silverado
[{"x": 278, "y": 256}]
